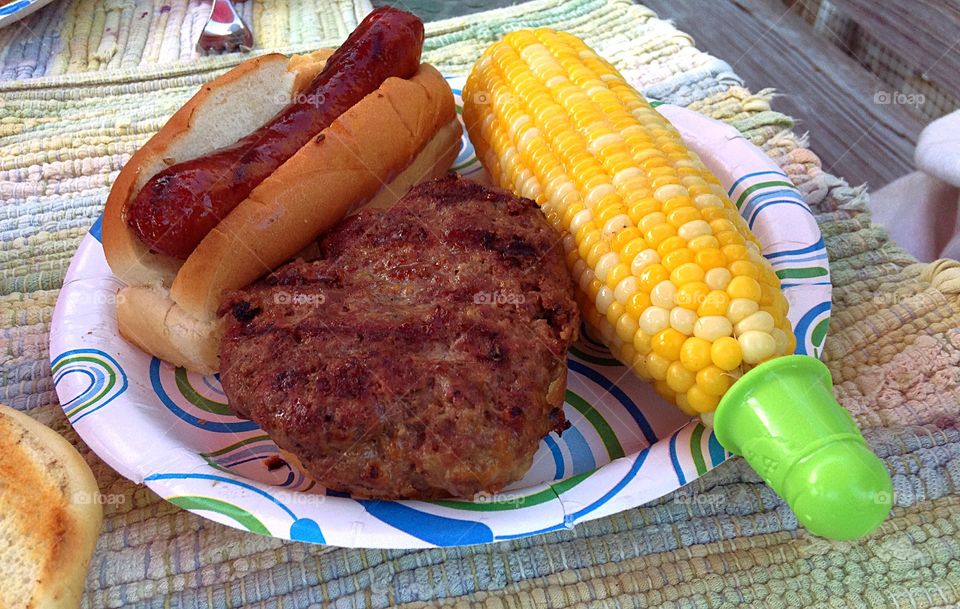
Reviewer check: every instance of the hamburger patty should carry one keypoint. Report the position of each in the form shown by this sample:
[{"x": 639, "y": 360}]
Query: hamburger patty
[{"x": 423, "y": 355}]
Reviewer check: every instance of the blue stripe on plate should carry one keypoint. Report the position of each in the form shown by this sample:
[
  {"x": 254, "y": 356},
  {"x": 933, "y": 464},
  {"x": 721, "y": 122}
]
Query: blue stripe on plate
[
  {"x": 437, "y": 530},
  {"x": 759, "y": 197},
  {"x": 675, "y": 459},
  {"x": 580, "y": 454},
  {"x": 618, "y": 393},
  {"x": 804, "y": 323},
  {"x": 637, "y": 464},
  {"x": 717, "y": 454},
  {"x": 784, "y": 286},
  {"x": 205, "y": 424},
  {"x": 814, "y": 258},
  {"x": 557, "y": 456},
  {"x": 249, "y": 487},
  {"x": 803, "y": 250},
  {"x": 756, "y": 213}
]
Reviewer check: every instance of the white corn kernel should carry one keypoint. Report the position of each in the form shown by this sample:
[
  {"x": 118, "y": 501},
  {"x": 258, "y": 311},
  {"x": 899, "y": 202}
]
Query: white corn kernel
[
  {"x": 683, "y": 320},
  {"x": 598, "y": 192},
  {"x": 718, "y": 278},
  {"x": 740, "y": 309},
  {"x": 616, "y": 224},
  {"x": 707, "y": 200},
  {"x": 579, "y": 219},
  {"x": 626, "y": 328},
  {"x": 712, "y": 327},
  {"x": 693, "y": 229},
  {"x": 761, "y": 321},
  {"x": 782, "y": 340},
  {"x": 604, "y": 299},
  {"x": 654, "y": 319},
  {"x": 668, "y": 191},
  {"x": 664, "y": 294},
  {"x": 586, "y": 277},
  {"x": 756, "y": 346},
  {"x": 643, "y": 260},
  {"x": 625, "y": 289},
  {"x": 605, "y": 264},
  {"x": 626, "y": 174}
]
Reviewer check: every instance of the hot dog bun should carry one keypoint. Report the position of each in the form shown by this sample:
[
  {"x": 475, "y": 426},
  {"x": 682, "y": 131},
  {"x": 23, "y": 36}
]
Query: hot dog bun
[{"x": 401, "y": 134}]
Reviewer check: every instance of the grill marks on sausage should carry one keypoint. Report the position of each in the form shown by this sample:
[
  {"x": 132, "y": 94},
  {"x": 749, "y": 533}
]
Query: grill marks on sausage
[{"x": 422, "y": 343}]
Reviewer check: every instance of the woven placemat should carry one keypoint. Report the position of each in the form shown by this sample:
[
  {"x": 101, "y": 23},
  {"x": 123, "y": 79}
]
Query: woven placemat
[{"x": 893, "y": 348}]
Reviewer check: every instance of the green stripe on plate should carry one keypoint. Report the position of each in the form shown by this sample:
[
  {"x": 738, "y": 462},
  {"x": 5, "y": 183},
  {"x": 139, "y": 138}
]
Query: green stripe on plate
[
  {"x": 235, "y": 445},
  {"x": 609, "y": 438},
  {"x": 746, "y": 193},
  {"x": 111, "y": 380},
  {"x": 498, "y": 505},
  {"x": 820, "y": 332},
  {"x": 565, "y": 485},
  {"x": 242, "y": 516},
  {"x": 207, "y": 405},
  {"x": 696, "y": 449},
  {"x": 802, "y": 273}
]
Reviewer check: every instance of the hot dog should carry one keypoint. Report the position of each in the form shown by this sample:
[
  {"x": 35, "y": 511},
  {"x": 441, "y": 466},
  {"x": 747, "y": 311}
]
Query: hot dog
[
  {"x": 398, "y": 131},
  {"x": 181, "y": 204}
]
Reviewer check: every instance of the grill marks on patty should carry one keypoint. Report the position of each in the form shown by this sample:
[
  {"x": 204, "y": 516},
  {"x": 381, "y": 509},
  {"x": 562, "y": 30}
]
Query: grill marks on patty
[{"x": 420, "y": 347}]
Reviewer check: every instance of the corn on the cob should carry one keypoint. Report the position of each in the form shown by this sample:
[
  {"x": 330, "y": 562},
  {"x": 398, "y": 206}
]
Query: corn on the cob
[{"x": 666, "y": 268}]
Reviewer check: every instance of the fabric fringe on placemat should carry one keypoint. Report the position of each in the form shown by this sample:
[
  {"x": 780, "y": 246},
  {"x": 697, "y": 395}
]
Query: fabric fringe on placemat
[{"x": 113, "y": 70}]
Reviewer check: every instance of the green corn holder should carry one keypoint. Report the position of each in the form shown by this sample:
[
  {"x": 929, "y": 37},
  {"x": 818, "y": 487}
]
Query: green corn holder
[{"x": 783, "y": 419}]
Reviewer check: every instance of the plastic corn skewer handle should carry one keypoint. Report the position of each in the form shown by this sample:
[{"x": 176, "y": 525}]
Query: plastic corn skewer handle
[{"x": 783, "y": 419}]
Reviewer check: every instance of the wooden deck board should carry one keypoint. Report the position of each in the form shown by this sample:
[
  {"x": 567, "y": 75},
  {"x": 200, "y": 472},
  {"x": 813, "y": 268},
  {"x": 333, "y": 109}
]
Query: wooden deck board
[{"x": 830, "y": 94}]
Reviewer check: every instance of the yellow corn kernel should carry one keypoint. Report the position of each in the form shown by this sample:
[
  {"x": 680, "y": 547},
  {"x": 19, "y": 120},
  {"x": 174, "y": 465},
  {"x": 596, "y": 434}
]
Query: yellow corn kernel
[
  {"x": 710, "y": 258},
  {"x": 703, "y": 242},
  {"x": 716, "y": 303},
  {"x": 667, "y": 344},
  {"x": 725, "y": 353},
  {"x": 691, "y": 295},
  {"x": 657, "y": 365},
  {"x": 701, "y": 401},
  {"x": 713, "y": 380},
  {"x": 679, "y": 378},
  {"x": 638, "y": 303},
  {"x": 744, "y": 268},
  {"x": 687, "y": 273},
  {"x": 651, "y": 276},
  {"x": 676, "y": 257},
  {"x": 695, "y": 354},
  {"x": 641, "y": 344},
  {"x": 744, "y": 287}
]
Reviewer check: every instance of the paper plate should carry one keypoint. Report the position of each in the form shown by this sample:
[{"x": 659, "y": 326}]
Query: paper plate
[
  {"x": 173, "y": 431},
  {"x": 18, "y": 9}
]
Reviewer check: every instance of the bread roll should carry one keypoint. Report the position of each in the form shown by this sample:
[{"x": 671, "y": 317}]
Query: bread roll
[{"x": 50, "y": 516}]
